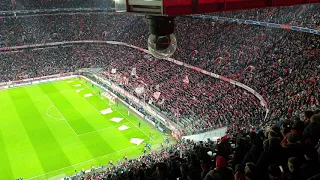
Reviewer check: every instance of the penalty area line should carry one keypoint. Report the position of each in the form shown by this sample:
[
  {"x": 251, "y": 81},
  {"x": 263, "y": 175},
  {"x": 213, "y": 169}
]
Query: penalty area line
[
  {"x": 118, "y": 112},
  {"x": 62, "y": 115}
]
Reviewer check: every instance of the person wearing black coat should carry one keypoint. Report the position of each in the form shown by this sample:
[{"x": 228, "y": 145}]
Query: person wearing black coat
[
  {"x": 275, "y": 154},
  {"x": 311, "y": 165},
  {"x": 255, "y": 151},
  {"x": 294, "y": 165},
  {"x": 293, "y": 148},
  {"x": 311, "y": 133},
  {"x": 239, "y": 152}
]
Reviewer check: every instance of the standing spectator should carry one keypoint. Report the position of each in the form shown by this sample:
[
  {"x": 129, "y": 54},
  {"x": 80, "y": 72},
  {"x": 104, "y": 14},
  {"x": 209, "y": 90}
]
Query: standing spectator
[
  {"x": 311, "y": 165},
  {"x": 222, "y": 170},
  {"x": 294, "y": 165},
  {"x": 311, "y": 133},
  {"x": 274, "y": 172}
]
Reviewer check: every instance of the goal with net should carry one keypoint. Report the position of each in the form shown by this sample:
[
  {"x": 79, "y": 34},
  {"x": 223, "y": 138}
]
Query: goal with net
[{"x": 111, "y": 98}]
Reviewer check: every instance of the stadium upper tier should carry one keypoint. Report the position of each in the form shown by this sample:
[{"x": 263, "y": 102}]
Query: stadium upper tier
[
  {"x": 301, "y": 15},
  {"x": 281, "y": 65},
  {"x": 31, "y": 5}
]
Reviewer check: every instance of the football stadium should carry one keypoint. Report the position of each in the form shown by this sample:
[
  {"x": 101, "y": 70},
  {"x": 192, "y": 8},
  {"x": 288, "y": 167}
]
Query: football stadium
[
  {"x": 160, "y": 90},
  {"x": 71, "y": 120}
]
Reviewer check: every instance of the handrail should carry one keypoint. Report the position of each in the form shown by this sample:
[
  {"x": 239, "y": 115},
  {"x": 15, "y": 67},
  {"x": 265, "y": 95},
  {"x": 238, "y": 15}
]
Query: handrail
[{"x": 258, "y": 23}]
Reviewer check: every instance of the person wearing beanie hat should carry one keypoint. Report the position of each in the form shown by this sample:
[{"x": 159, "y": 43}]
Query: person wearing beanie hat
[
  {"x": 222, "y": 170},
  {"x": 221, "y": 162}
]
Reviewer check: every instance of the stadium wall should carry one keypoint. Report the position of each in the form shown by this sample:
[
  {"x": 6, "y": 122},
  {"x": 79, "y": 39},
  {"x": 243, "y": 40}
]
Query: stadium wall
[
  {"x": 37, "y": 80},
  {"x": 213, "y": 135}
]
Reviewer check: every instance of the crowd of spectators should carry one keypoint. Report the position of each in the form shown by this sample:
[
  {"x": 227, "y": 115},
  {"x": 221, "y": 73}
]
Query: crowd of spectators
[
  {"x": 202, "y": 104},
  {"x": 310, "y": 17},
  {"x": 276, "y": 69},
  {"x": 9, "y": 5},
  {"x": 300, "y": 15},
  {"x": 278, "y": 15},
  {"x": 281, "y": 65},
  {"x": 287, "y": 150}
]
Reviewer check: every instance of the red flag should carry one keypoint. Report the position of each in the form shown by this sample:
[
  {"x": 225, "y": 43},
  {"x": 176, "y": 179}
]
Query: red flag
[
  {"x": 249, "y": 68},
  {"x": 186, "y": 80},
  {"x": 13, "y": 2},
  {"x": 81, "y": 24},
  {"x": 276, "y": 81},
  {"x": 156, "y": 95},
  {"x": 218, "y": 60},
  {"x": 193, "y": 53}
]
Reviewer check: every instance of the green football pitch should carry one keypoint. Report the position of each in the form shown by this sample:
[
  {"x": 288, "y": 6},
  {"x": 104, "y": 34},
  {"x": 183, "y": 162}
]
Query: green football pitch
[{"x": 51, "y": 129}]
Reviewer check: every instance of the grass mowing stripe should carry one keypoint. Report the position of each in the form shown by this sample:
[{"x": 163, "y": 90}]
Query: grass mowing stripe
[
  {"x": 5, "y": 166},
  {"x": 71, "y": 145},
  {"x": 94, "y": 143},
  {"x": 42, "y": 139},
  {"x": 21, "y": 153},
  {"x": 78, "y": 149}
]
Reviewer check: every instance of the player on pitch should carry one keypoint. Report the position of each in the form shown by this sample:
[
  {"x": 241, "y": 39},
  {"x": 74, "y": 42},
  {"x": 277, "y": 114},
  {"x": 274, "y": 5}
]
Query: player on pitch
[{"x": 150, "y": 133}]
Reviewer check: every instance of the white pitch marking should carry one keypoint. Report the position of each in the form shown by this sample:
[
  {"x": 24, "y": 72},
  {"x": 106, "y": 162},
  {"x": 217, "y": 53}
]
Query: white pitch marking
[
  {"x": 79, "y": 90},
  {"x": 119, "y": 113},
  {"x": 87, "y": 95},
  {"x": 93, "y": 106},
  {"x": 62, "y": 115},
  {"x": 97, "y": 130},
  {"x": 136, "y": 141},
  {"x": 58, "y": 119},
  {"x": 123, "y": 127},
  {"x": 116, "y": 119}
]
